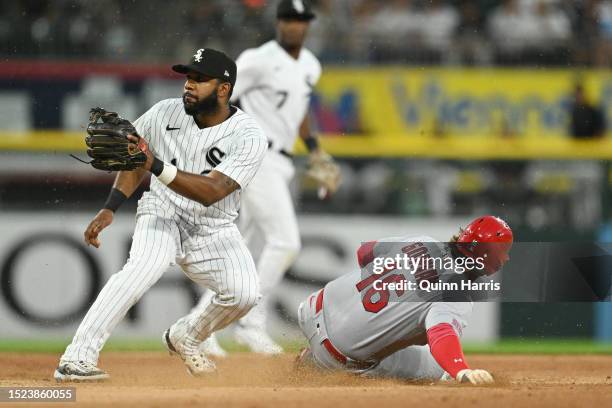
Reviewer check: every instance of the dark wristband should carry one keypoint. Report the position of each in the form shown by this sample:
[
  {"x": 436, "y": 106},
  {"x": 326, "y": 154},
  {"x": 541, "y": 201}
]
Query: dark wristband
[
  {"x": 157, "y": 167},
  {"x": 312, "y": 143},
  {"x": 114, "y": 200}
]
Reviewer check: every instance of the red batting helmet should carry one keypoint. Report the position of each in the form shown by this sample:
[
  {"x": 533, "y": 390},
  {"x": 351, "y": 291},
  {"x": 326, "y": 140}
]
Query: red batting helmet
[{"x": 487, "y": 237}]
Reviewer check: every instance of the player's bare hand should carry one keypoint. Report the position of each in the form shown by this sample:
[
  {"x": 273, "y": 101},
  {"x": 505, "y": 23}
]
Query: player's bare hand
[
  {"x": 138, "y": 142},
  {"x": 103, "y": 219},
  {"x": 475, "y": 377}
]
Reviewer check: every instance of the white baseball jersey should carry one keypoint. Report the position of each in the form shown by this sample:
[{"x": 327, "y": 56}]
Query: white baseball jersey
[
  {"x": 275, "y": 89},
  {"x": 365, "y": 323},
  {"x": 234, "y": 148},
  {"x": 171, "y": 229}
]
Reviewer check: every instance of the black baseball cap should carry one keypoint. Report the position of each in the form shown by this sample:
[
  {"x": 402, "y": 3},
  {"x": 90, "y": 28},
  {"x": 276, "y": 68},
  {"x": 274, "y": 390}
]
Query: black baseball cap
[
  {"x": 295, "y": 10},
  {"x": 212, "y": 63}
]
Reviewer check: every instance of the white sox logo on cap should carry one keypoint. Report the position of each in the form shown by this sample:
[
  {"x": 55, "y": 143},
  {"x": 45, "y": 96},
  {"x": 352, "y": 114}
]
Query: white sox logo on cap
[
  {"x": 198, "y": 55},
  {"x": 298, "y": 6},
  {"x": 226, "y": 73}
]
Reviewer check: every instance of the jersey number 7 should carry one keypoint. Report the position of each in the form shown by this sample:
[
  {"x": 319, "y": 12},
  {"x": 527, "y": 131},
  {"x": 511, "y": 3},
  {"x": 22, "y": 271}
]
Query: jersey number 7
[{"x": 283, "y": 98}]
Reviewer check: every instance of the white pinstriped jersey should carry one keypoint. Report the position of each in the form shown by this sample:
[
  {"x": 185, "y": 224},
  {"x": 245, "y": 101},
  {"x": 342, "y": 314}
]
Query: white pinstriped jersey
[
  {"x": 235, "y": 147},
  {"x": 275, "y": 89}
]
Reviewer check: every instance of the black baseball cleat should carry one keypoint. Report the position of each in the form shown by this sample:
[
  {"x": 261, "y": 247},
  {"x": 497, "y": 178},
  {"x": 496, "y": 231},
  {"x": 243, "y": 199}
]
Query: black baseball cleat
[
  {"x": 168, "y": 343},
  {"x": 79, "y": 371}
]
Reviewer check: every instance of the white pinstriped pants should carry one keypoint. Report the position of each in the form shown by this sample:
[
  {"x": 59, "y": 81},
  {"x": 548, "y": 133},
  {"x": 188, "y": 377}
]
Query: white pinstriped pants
[
  {"x": 267, "y": 209},
  {"x": 267, "y": 214},
  {"x": 218, "y": 261}
]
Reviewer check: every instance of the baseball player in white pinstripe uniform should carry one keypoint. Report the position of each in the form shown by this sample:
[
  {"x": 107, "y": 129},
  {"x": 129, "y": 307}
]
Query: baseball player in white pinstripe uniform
[
  {"x": 202, "y": 152},
  {"x": 274, "y": 85}
]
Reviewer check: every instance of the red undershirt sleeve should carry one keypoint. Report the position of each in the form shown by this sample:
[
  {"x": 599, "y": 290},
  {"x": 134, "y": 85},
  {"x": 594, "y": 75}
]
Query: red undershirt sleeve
[{"x": 446, "y": 349}]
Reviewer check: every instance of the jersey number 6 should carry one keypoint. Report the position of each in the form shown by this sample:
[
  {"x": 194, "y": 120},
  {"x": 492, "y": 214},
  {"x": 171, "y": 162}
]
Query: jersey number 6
[{"x": 367, "y": 299}]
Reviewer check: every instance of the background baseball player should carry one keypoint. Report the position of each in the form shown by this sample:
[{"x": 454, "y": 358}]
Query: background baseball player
[
  {"x": 274, "y": 86},
  {"x": 202, "y": 152},
  {"x": 353, "y": 325}
]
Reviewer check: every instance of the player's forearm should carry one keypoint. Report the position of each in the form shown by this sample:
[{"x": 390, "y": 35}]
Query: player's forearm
[
  {"x": 205, "y": 189},
  {"x": 201, "y": 188},
  {"x": 446, "y": 349},
  {"x": 310, "y": 140},
  {"x": 128, "y": 181}
]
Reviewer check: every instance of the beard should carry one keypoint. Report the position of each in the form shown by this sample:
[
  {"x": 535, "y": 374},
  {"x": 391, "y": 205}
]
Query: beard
[
  {"x": 291, "y": 47},
  {"x": 208, "y": 105}
]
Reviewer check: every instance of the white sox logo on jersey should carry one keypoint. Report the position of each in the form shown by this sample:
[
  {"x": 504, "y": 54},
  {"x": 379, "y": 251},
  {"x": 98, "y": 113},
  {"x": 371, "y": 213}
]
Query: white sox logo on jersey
[
  {"x": 213, "y": 158},
  {"x": 198, "y": 55}
]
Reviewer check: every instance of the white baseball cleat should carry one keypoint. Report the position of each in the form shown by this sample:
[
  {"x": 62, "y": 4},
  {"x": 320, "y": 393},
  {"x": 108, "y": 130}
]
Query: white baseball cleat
[
  {"x": 196, "y": 362},
  {"x": 211, "y": 347},
  {"x": 258, "y": 341},
  {"x": 79, "y": 371}
]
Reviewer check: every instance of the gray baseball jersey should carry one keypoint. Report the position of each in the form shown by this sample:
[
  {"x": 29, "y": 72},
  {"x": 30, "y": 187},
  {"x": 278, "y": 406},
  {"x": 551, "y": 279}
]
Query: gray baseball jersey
[
  {"x": 234, "y": 148},
  {"x": 365, "y": 323}
]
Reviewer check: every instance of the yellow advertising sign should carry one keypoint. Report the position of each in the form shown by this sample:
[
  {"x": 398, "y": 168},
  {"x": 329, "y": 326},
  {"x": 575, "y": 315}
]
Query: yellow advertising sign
[
  {"x": 464, "y": 114},
  {"x": 452, "y": 102}
]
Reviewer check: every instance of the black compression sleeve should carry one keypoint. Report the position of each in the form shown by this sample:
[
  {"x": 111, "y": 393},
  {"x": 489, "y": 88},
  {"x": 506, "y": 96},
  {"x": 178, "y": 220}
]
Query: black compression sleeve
[
  {"x": 114, "y": 200},
  {"x": 157, "y": 167},
  {"x": 312, "y": 143}
]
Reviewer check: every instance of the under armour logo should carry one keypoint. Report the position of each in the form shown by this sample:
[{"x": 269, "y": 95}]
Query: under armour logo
[
  {"x": 198, "y": 55},
  {"x": 226, "y": 73},
  {"x": 457, "y": 360},
  {"x": 298, "y": 6}
]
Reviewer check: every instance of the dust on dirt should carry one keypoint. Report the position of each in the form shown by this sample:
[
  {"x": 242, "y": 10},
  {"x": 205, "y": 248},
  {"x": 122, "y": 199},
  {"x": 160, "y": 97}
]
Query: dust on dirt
[{"x": 154, "y": 379}]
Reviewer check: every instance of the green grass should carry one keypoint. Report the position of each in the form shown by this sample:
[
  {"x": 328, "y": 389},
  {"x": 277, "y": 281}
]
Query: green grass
[
  {"x": 58, "y": 345},
  {"x": 506, "y": 346},
  {"x": 541, "y": 346}
]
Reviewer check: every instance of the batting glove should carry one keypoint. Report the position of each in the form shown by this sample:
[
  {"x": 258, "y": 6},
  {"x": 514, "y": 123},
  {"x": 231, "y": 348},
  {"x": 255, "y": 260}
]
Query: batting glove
[{"x": 475, "y": 377}]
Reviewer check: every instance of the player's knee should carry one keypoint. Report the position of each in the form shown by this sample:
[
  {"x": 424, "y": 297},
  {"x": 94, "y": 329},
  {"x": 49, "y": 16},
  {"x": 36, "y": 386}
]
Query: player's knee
[
  {"x": 292, "y": 250},
  {"x": 289, "y": 247},
  {"x": 248, "y": 303},
  {"x": 241, "y": 302}
]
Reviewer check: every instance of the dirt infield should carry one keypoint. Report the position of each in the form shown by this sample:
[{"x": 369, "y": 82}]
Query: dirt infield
[{"x": 157, "y": 380}]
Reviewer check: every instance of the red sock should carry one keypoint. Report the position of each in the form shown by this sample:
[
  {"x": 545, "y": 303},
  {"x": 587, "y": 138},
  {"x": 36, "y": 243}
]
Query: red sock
[{"x": 446, "y": 348}]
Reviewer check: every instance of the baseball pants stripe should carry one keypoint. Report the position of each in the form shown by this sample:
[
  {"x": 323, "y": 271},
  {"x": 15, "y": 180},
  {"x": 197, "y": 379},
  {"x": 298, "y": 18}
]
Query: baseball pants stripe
[{"x": 154, "y": 248}]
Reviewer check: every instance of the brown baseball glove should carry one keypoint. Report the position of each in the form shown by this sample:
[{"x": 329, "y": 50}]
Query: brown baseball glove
[
  {"x": 325, "y": 171},
  {"x": 108, "y": 144}
]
